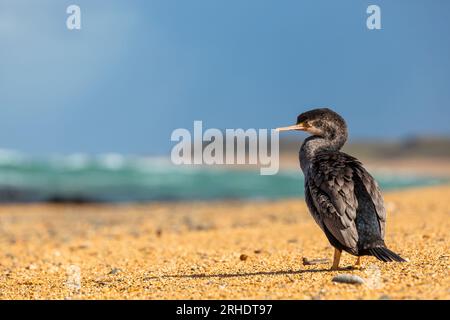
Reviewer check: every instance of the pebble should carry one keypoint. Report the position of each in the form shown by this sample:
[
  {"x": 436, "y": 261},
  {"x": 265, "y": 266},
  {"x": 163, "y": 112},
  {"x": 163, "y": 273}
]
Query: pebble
[
  {"x": 32, "y": 267},
  {"x": 115, "y": 271},
  {"x": 348, "y": 278},
  {"x": 243, "y": 257}
]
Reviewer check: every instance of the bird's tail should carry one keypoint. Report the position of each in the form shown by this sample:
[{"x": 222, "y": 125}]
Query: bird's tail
[{"x": 386, "y": 255}]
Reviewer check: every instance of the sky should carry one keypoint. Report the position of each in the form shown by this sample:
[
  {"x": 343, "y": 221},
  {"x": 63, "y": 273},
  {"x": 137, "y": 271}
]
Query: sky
[{"x": 139, "y": 69}]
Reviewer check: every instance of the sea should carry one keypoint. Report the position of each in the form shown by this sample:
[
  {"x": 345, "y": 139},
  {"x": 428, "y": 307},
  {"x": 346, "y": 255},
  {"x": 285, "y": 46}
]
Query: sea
[{"x": 117, "y": 178}]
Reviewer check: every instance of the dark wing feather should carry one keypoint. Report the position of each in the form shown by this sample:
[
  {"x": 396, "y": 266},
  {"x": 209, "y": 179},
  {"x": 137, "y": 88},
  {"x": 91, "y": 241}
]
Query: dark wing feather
[
  {"x": 330, "y": 194},
  {"x": 375, "y": 193},
  {"x": 331, "y": 187}
]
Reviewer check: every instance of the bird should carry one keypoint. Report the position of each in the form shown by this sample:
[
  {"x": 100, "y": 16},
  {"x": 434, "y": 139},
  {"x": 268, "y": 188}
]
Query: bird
[{"x": 341, "y": 195}]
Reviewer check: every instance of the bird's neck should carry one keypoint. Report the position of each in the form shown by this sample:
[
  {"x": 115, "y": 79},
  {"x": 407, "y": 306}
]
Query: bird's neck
[{"x": 315, "y": 144}]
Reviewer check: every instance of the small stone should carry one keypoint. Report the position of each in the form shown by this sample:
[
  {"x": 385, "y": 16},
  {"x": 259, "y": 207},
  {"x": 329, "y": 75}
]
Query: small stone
[
  {"x": 348, "y": 278},
  {"x": 32, "y": 267},
  {"x": 257, "y": 251},
  {"x": 84, "y": 245},
  {"x": 243, "y": 257},
  {"x": 115, "y": 271},
  {"x": 159, "y": 233},
  {"x": 307, "y": 262},
  {"x": 101, "y": 281}
]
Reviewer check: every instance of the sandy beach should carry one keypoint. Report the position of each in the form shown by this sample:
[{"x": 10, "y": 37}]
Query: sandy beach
[{"x": 215, "y": 250}]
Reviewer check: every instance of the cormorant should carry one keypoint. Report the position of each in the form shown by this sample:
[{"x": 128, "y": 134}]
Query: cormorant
[{"x": 343, "y": 198}]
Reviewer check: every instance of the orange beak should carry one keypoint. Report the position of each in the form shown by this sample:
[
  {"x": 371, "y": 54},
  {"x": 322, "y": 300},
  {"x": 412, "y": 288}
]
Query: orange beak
[{"x": 299, "y": 126}]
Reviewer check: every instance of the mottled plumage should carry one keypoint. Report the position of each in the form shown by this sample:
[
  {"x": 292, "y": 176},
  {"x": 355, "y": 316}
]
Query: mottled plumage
[
  {"x": 338, "y": 200},
  {"x": 343, "y": 198}
]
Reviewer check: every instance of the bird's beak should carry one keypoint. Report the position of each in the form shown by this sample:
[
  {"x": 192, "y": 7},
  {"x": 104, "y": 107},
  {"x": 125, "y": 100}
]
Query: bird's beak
[{"x": 299, "y": 126}]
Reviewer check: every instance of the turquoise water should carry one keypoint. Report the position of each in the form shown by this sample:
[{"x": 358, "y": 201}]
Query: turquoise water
[{"x": 115, "y": 178}]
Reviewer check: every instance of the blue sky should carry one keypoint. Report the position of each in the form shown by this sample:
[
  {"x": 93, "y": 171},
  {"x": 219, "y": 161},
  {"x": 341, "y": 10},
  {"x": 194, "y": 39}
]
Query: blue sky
[{"x": 139, "y": 69}]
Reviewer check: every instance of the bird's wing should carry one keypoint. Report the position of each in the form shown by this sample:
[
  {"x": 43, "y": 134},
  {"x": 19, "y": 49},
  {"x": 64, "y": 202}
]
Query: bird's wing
[
  {"x": 331, "y": 188},
  {"x": 375, "y": 193}
]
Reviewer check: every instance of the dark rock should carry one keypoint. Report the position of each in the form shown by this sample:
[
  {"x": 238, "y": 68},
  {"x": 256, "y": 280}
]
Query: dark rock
[{"x": 243, "y": 257}]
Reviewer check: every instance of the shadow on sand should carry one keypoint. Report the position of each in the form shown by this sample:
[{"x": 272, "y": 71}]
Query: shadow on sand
[{"x": 245, "y": 274}]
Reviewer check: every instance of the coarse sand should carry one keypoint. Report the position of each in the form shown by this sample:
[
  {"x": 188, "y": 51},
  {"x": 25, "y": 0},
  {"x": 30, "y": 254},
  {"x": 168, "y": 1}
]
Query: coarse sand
[{"x": 216, "y": 250}]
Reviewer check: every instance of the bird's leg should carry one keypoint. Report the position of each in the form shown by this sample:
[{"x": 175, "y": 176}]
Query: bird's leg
[
  {"x": 337, "y": 258},
  {"x": 358, "y": 263}
]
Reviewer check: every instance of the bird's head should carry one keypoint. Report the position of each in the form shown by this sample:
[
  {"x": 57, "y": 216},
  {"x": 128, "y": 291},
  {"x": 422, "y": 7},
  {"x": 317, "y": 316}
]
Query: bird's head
[{"x": 321, "y": 122}]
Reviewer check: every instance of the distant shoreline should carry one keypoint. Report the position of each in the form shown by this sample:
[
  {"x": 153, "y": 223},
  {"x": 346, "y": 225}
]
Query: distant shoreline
[
  {"x": 86, "y": 201},
  {"x": 421, "y": 166},
  {"x": 116, "y": 178}
]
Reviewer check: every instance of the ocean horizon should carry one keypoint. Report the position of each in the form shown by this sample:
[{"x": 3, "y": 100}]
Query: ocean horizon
[{"x": 118, "y": 178}]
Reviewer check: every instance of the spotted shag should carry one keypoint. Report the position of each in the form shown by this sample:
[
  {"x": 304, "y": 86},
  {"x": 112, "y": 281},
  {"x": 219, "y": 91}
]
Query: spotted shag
[{"x": 343, "y": 198}]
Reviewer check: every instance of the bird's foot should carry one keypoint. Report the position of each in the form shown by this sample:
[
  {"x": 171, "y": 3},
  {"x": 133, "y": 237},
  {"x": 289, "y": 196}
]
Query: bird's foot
[
  {"x": 333, "y": 268},
  {"x": 357, "y": 265},
  {"x": 347, "y": 268},
  {"x": 342, "y": 268},
  {"x": 336, "y": 259}
]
